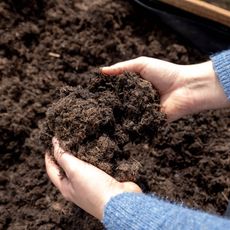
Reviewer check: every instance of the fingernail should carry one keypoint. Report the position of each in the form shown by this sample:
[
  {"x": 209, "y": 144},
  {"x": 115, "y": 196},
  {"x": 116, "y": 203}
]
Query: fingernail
[
  {"x": 105, "y": 68},
  {"x": 47, "y": 155},
  {"x": 56, "y": 147},
  {"x": 102, "y": 69},
  {"x": 55, "y": 141}
]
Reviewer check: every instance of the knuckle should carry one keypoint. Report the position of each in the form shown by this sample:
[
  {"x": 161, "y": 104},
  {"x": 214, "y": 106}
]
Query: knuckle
[
  {"x": 71, "y": 172},
  {"x": 120, "y": 69}
]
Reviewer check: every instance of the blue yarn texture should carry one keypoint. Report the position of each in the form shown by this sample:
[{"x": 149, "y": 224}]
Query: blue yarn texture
[
  {"x": 148, "y": 212},
  {"x": 221, "y": 64}
]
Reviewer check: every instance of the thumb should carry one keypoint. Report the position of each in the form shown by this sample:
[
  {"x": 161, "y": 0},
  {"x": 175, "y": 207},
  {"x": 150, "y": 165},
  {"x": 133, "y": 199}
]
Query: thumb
[{"x": 135, "y": 65}]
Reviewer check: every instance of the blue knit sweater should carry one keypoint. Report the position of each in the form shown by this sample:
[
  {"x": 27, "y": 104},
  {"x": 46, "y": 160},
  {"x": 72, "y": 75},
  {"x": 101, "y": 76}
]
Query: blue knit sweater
[{"x": 140, "y": 211}]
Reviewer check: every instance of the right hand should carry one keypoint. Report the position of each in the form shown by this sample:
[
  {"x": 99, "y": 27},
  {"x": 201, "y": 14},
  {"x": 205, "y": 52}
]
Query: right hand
[{"x": 184, "y": 89}]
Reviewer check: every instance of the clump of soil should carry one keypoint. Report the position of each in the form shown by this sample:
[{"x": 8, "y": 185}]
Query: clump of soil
[{"x": 98, "y": 123}]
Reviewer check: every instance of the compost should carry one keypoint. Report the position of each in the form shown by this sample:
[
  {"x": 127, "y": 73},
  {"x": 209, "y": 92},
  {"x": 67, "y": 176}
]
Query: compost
[
  {"x": 99, "y": 124},
  {"x": 48, "y": 46}
]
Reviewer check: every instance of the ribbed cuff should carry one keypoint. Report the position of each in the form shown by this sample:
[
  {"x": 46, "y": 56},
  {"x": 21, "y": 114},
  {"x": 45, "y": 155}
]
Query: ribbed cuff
[
  {"x": 137, "y": 211},
  {"x": 143, "y": 212},
  {"x": 221, "y": 64}
]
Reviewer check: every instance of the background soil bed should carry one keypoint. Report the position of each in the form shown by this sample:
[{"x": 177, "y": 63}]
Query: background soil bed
[{"x": 190, "y": 161}]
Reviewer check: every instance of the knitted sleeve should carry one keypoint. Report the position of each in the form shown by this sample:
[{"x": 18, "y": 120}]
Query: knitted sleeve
[
  {"x": 140, "y": 211},
  {"x": 221, "y": 64}
]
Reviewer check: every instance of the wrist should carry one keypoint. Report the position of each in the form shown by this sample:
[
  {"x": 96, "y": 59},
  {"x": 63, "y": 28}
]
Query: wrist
[
  {"x": 204, "y": 87},
  {"x": 113, "y": 190}
]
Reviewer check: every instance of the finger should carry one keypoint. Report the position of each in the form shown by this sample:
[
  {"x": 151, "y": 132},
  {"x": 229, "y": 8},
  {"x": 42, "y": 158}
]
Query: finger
[
  {"x": 91, "y": 188},
  {"x": 135, "y": 65},
  {"x": 53, "y": 172},
  {"x": 75, "y": 168},
  {"x": 65, "y": 160},
  {"x": 84, "y": 178}
]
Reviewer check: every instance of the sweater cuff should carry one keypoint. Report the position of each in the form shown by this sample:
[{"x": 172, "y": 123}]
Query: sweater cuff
[
  {"x": 143, "y": 212},
  {"x": 125, "y": 211},
  {"x": 221, "y": 64}
]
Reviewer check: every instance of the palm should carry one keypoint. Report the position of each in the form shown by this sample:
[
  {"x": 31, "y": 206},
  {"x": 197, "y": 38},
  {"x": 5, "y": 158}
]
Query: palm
[{"x": 164, "y": 76}]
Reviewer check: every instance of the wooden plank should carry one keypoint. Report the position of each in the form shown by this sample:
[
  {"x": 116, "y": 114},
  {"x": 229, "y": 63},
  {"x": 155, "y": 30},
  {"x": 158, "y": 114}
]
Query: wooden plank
[
  {"x": 202, "y": 9},
  {"x": 225, "y": 4}
]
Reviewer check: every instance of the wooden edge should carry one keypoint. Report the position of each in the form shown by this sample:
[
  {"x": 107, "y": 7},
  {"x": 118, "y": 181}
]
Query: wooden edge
[{"x": 202, "y": 9}]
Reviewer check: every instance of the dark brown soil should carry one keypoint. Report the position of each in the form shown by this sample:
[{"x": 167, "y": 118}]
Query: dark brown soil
[
  {"x": 44, "y": 47},
  {"x": 98, "y": 123}
]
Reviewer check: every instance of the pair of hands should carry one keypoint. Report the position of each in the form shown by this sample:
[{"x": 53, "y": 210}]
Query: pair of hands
[{"x": 183, "y": 89}]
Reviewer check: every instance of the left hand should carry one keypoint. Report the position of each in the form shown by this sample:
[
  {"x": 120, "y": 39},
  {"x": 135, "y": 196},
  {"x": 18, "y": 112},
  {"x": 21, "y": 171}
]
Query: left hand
[{"x": 85, "y": 185}]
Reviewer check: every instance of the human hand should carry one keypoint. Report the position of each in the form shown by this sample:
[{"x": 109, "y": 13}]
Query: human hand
[
  {"x": 85, "y": 185},
  {"x": 184, "y": 89}
]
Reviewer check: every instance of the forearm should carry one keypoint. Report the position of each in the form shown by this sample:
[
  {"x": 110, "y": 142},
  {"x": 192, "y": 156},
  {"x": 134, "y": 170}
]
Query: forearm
[{"x": 139, "y": 211}]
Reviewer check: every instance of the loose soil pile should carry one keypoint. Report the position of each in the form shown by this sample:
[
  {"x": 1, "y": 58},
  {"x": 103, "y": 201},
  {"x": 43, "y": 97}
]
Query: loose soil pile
[
  {"x": 47, "y": 45},
  {"x": 102, "y": 123}
]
